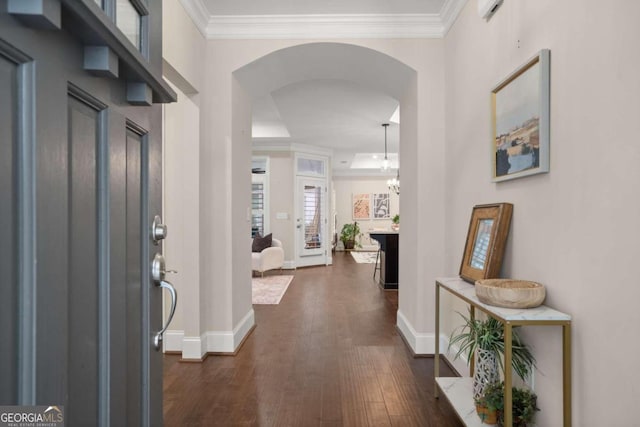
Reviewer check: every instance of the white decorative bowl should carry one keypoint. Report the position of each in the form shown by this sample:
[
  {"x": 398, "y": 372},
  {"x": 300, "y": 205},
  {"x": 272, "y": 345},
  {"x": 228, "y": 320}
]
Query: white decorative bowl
[{"x": 510, "y": 293}]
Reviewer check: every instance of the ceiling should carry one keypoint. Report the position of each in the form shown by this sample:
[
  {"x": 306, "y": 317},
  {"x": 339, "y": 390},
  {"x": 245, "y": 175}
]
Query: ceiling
[
  {"x": 313, "y": 101},
  {"x": 340, "y": 116},
  {"x": 315, "y": 7}
]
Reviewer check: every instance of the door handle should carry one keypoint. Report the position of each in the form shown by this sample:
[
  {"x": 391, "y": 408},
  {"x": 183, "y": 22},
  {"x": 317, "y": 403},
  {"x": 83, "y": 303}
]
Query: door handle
[
  {"x": 158, "y": 273},
  {"x": 157, "y": 340}
]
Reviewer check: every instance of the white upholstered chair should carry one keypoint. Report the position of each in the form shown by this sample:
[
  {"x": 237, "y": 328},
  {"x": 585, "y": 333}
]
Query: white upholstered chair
[{"x": 269, "y": 259}]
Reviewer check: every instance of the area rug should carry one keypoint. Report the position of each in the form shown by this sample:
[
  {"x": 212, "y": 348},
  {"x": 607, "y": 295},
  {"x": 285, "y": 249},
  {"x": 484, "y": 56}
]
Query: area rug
[
  {"x": 364, "y": 257},
  {"x": 269, "y": 289}
]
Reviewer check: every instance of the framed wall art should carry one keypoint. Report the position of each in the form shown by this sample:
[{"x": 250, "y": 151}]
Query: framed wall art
[
  {"x": 380, "y": 206},
  {"x": 520, "y": 121},
  {"x": 486, "y": 241},
  {"x": 361, "y": 206}
]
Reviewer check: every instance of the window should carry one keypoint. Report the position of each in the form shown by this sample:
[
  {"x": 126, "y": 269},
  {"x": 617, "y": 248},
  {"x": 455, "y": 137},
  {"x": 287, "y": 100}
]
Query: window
[
  {"x": 257, "y": 208},
  {"x": 312, "y": 216},
  {"x": 310, "y": 166},
  {"x": 129, "y": 21},
  {"x": 259, "y": 196}
]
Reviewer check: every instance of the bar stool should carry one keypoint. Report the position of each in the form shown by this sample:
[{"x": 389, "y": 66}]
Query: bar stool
[{"x": 378, "y": 265}]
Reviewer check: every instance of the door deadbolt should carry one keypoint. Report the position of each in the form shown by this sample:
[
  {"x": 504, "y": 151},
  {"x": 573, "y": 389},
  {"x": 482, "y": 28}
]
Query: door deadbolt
[{"x": 158, "y": 230}]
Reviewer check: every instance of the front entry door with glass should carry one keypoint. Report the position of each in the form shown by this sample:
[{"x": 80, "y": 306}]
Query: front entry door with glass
[{"x": 311, "y": 221}]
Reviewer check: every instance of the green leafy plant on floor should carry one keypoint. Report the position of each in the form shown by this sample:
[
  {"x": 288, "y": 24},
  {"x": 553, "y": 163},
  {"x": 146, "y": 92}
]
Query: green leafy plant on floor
[{"x": 349, "y": 234}]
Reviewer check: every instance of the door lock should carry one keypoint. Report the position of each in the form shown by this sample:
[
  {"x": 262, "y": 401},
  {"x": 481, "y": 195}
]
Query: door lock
[
  {"x": 158, "y": 230},
  {"x": 158, "y": 271}
]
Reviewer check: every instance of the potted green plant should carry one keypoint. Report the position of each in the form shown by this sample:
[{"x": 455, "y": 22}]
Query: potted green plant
[
  {"x": 491, "y": 405},
  {"x": 395, "y": 222},
  {"x": 484, "y": 339},
  {"x": 350, "y": 232},
  {"x": 488, "y": 404}
]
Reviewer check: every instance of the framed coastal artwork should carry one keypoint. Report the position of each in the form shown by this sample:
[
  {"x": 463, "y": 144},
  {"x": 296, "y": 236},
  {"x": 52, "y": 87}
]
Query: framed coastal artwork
[
  {"x": 520, "y": 121},
  {"x": 361, "y": 206}
]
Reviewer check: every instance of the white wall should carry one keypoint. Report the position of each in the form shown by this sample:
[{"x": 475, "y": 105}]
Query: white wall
[
  {"x": 575, "y": 229},
  {"x": 182, "y": 184},
  {"x": 181, "y": 201},
  {"x": 345, "y": 187}
]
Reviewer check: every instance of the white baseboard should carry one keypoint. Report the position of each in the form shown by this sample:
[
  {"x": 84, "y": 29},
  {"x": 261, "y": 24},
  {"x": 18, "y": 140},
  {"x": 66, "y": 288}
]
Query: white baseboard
[
  {"x": 172, "y": 340},
  {"x": 243, "y": 328},
  {"x": 420, "y": 343},
  {"x": 425, "y": 344},
  {"x": 229, "y": 341},
  {"x": 193, "y": 348},
  {"x": 289, "y": 265},
  {"x": 461, "y": 364}
]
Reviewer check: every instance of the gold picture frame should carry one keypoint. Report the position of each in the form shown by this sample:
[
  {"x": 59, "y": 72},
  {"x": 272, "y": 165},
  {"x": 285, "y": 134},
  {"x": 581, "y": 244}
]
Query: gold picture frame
[{"x": 486, "y": 241}]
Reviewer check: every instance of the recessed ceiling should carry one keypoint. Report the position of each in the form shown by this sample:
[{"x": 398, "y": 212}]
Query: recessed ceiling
[
  {"x": 315, "y": 7},
  {"x": 337, "y": 115}
]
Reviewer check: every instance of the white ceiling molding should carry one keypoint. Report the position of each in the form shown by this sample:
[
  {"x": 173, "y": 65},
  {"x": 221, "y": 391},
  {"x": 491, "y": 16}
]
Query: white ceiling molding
[
  {"x": 199, "y": 14},
  {"x": 363, "y": 173},
  {"x": 293, "y": 147},
  {"x": 322, "y": 26},
  {"x": 449, "y": 12}
]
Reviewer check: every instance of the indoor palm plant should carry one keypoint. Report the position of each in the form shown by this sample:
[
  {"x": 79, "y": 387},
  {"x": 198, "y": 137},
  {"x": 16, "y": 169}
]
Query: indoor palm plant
[
  {"x": 350, "y": 232},
  {"x": 484, "y": 339}
]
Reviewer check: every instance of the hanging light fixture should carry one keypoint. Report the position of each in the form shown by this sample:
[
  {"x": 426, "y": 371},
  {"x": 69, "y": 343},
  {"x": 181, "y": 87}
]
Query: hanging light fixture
[
  {"x": 394, "y": 183},
  {"x": 385, "y": 162}
]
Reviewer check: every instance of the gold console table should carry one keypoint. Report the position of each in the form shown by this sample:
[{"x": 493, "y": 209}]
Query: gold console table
[{"x": 459, "y": 391}]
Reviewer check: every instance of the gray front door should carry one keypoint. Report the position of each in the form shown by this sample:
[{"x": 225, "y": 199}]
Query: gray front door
[{"x": 80, "y": 181}]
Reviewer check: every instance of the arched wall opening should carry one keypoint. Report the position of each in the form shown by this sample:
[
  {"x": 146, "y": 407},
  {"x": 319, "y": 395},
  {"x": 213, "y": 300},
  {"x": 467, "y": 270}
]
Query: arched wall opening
[
  {"x": 411, "y": 71},
  {"x": 325, "y": 70}
]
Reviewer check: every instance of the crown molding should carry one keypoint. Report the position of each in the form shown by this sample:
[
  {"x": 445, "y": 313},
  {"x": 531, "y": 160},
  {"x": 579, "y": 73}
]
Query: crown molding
[
  {"x": 323, "y": 26},
  {"x": 266, "y": 144},
  {"x": 198, "y": 13},
  {"x": 350, "y": 174},
  {"x": 450, "y": 11}
]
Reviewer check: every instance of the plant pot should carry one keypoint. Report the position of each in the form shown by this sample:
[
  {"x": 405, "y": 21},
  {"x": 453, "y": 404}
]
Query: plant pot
[
  {"x": 349, "y": 244},
  {"x": 487, "y": 416},
  {"x": 486, "y": 371}
]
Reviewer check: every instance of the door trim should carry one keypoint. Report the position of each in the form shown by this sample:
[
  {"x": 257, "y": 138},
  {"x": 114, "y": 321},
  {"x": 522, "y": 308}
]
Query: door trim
[
  {"x": 103, "y": 248},
  {"x": 26, "y": 221}
]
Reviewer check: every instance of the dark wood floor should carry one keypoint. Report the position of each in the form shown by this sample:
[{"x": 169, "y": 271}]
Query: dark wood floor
[{"x": 328, "y": 355}]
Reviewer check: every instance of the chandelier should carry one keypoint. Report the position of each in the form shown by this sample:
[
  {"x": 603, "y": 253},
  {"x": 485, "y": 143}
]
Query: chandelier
[{"x": 394, "y": 183}]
